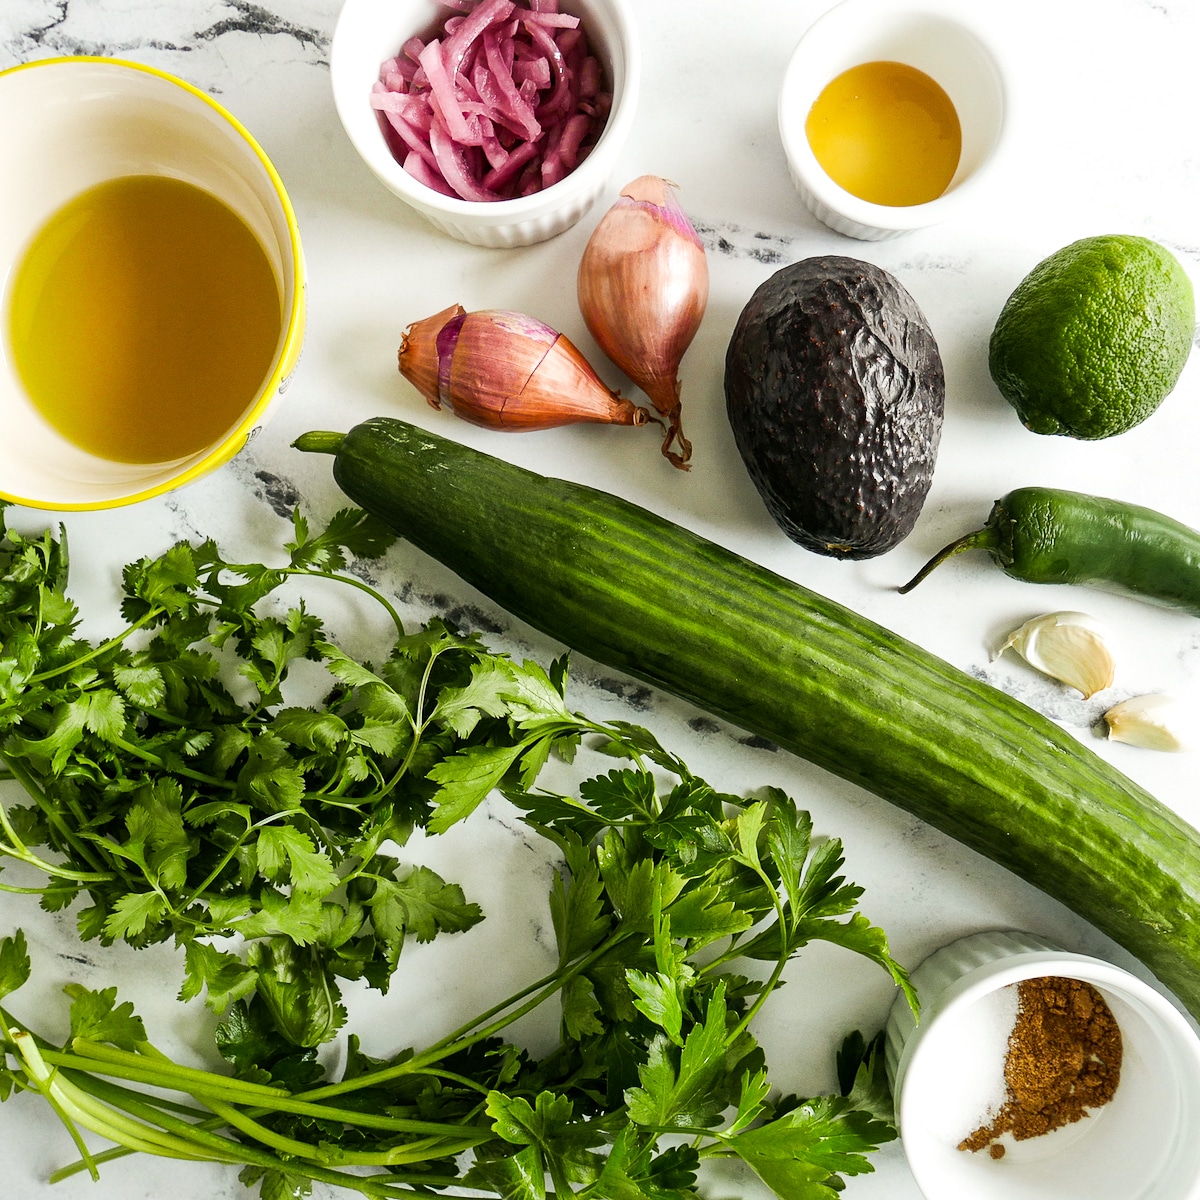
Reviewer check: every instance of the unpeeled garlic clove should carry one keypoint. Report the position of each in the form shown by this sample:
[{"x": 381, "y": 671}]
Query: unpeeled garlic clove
[
  {"x": 1154, "y": 722},
  {"x": 1071, "y": 647}
]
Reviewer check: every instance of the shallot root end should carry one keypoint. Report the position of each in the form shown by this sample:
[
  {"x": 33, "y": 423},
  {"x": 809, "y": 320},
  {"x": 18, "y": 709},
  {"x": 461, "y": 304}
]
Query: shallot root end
[{"x": 680, "y": 457}]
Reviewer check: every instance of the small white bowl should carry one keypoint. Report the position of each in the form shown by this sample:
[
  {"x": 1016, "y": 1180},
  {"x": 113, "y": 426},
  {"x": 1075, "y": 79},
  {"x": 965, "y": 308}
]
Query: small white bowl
[
  {"x": 947, "y": 1069},
  {"x": 935, "y": 38},
  {"x": 70, "y": 124},
  {"x": 370, "y": 31}
]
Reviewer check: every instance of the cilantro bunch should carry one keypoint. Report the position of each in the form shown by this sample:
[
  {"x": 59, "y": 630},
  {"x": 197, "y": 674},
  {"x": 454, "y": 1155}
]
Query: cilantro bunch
[{"x": 178, "y": 787}]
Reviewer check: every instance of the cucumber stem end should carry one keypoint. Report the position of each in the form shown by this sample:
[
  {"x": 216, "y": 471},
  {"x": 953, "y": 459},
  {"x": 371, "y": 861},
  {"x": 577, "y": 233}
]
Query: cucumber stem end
[{"x": 319, "y": 441}]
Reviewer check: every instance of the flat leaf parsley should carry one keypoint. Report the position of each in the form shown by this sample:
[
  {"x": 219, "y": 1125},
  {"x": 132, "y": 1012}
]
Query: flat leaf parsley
[{"x": 178, "y": 809}]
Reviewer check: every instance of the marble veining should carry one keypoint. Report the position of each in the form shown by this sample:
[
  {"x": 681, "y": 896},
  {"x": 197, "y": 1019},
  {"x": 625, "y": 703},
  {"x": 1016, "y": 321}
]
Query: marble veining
[{"x": 1105, "y": 95}]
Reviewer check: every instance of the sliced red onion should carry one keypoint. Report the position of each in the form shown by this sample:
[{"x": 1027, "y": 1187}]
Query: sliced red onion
[
  {"x": 416, "y": 166},
  {"x": 510, "y": 87},
  {"x": 552, "y": 20},
  {"x": 455, "y": 48},
  {"x": 500, "y": 179}
]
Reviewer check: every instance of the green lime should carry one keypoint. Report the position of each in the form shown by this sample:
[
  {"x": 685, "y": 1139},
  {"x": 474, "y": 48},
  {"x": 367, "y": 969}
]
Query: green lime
[{"x": 1095, "y": 337}]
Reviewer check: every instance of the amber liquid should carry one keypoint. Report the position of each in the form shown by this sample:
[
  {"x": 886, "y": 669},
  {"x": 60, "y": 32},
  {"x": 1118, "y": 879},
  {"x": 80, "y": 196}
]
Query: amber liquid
[
  {"x": 144, "y": 319},
  {"x": 887, "y": 133}
]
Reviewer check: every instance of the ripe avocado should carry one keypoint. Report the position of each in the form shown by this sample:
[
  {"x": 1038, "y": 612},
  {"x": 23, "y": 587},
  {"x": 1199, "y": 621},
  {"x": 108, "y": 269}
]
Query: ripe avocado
[{"x": 835, "y": 392}]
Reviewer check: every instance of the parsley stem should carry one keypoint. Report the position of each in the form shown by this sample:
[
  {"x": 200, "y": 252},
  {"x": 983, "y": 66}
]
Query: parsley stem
[
  {"x": 773, "y": 980},
  {"x": 119, "y": 1095},
  {"x": 410, "y": 1152},
  {"x": 203, "y": 1085},
  {"x": 212, "y": 1147},
  {"x": 541, "y": 990}
]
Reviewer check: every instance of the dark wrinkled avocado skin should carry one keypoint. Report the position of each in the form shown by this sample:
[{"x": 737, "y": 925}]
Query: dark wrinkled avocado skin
[{"x": 835, "y": 393}]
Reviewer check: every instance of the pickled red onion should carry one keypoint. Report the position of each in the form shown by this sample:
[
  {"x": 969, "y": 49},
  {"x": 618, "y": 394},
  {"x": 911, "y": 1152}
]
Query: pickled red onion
[{"x": 505, "y": 100}]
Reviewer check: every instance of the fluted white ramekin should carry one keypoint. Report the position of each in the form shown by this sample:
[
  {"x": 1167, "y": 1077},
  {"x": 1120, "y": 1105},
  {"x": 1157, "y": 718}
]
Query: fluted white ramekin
[{"x": 947, "y": 1069}]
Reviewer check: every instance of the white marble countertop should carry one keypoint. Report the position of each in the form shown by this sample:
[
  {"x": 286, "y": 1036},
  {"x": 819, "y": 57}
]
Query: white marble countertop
[{"x": 1107, "y": 94}]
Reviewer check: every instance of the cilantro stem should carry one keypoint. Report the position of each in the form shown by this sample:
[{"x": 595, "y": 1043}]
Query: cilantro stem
[
  {"x": 215, "y": 873},
  {"x": 178, "y": 769},
  {"x": 151, "y": 614},
  {"x": 19, "y": 850},
  {"x": 389, "y": 608}
]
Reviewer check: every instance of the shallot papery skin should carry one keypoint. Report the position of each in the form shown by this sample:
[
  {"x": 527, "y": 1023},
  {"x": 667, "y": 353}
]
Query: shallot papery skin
[
  {"x": 505, "y": 370},
  {"x": 643, "y": 289}
]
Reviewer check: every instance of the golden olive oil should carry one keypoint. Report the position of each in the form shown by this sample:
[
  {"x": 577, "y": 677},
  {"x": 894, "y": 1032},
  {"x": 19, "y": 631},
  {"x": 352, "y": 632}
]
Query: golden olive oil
[
  {"x": 887, "y": 133},
  {"x": 143, "y": 319}
]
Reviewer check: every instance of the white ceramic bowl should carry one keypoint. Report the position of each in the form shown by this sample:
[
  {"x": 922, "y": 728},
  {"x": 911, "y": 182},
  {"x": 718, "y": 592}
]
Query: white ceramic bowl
[
  {"x": 370, "y": 31},
  {"x": 933, "y": 36},
  {"x": 71, "y": 124},
  {"x": 947, "y": 1068}
]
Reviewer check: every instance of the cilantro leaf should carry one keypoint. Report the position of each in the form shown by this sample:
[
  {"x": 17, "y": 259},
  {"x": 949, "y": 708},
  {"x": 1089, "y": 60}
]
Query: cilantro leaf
[
  {"x": 486, "y": 695},
  {"x": 97, "y": 1017},
  {"x": 420, "y": 903},
  {"x": 14, "y": 963},
  {"x": 223, "y": 976},
  {"x": 352, "y": 530},
  {"x": 287, "y": 855},
  {"x": 133, "y": 914}
]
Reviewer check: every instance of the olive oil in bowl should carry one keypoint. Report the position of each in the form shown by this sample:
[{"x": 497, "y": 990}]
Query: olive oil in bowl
[
  {"x": 886, "y": 133},
  {"x": 144, "y": 319}
]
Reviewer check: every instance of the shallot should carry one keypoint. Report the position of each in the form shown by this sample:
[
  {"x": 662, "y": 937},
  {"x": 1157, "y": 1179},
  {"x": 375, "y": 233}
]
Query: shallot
[
  {"x": 643, "y": 289},
  {"x": 505, "y": 101},
  {"x": 504, "y": 370}
]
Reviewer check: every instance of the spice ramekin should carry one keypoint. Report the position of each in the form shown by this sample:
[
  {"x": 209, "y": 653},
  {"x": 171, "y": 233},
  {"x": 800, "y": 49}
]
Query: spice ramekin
[{"x": 1140, "y": 1145}]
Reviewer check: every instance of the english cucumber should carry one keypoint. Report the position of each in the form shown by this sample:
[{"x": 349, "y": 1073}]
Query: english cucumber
[{"x": 630, "y": 589}]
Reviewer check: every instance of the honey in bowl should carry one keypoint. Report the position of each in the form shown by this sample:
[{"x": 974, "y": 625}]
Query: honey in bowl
[
  {"x": 887, "y": 133},
  {"x": 143, "y": 319}
]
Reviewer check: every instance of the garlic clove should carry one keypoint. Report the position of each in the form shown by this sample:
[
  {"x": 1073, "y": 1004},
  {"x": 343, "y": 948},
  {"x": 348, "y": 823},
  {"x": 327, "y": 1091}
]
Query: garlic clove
[
  {"x": 1071, "y": 647},
  {"x": 1153, "y": 722}
]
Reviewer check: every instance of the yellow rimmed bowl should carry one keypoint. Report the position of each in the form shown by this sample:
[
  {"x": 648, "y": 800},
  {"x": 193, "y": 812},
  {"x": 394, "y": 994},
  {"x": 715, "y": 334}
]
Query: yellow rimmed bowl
[{"x": 69, "y": 125}]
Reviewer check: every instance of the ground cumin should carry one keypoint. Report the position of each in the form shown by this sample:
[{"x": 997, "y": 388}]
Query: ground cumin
[{"x": 1064, "y": 1057}]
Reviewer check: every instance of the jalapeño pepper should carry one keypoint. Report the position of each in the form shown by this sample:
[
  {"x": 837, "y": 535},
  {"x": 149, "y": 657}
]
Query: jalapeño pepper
[{"x": 1048, "y": 535}]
